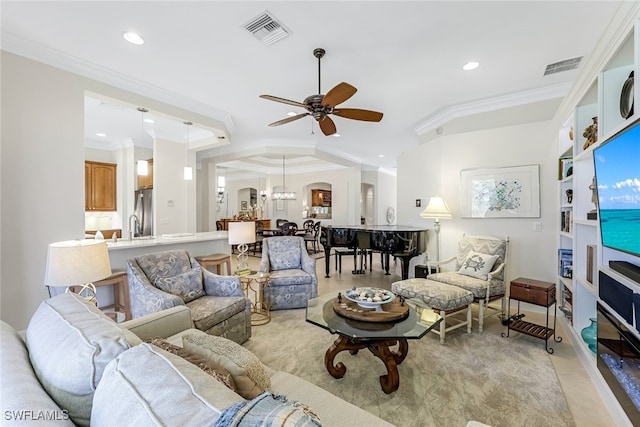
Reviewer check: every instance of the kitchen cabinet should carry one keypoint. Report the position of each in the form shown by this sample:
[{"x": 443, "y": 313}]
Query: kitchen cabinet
[
  {"x": 99, "y": 186},
  {"x": 146, "y": 181},
  {"x": 321, "y": 198}
]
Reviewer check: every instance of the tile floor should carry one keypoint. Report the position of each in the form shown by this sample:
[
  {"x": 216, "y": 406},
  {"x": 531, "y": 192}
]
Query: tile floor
[{"x": 582, "y": 397}]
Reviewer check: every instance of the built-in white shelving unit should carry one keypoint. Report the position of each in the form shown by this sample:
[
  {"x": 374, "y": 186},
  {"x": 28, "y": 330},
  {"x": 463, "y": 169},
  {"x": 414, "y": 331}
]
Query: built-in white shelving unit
[{"x": 599, "y": 96}]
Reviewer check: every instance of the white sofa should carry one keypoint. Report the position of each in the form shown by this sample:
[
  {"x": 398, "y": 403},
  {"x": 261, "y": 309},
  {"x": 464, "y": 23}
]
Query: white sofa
[{"x": 77, "y": 367}]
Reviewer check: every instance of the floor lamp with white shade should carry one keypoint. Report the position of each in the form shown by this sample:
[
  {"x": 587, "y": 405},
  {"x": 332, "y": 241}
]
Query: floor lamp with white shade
[{"x": 437, "y": 209}]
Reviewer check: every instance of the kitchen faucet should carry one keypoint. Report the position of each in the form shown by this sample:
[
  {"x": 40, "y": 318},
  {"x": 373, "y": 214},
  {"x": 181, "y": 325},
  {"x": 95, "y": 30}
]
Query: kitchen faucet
[{"x": 136, "y": 223}]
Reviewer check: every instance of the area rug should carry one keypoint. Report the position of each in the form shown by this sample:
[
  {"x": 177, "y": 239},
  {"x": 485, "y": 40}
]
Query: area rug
[{"x": 483, "y": 377}]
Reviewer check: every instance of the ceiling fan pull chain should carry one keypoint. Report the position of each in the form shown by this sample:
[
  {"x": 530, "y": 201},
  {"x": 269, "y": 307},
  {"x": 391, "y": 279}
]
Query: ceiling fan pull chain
[{"x": 312, "y": 128}]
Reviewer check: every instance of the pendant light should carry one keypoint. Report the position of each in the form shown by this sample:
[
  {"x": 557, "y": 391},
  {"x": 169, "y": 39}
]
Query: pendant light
[
  {"x": 284, "y": 194},
  {"x": 188, "y": 171}
]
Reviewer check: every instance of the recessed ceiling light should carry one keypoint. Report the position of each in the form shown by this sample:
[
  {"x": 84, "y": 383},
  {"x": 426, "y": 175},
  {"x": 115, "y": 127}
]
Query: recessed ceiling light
[
  {"x": 149, "y": 121},
  {"x": 291, "y": 114},
  {"x": 134, "y": 38},
  {"x": 380, "y": 155},
  {"x": 101, "y": 134},
  {"x": 336, "y": 135},
  {"x": 470, "y": 66}
]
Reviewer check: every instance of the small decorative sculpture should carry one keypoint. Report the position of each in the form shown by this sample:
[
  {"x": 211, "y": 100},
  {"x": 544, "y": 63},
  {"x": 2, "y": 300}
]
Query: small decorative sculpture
[
  {"x": 593, "y": 213},
  {"x": 339, "y": 296},
  {"x": 569, "y": 193},
  {"x": 591, "y": 133}
]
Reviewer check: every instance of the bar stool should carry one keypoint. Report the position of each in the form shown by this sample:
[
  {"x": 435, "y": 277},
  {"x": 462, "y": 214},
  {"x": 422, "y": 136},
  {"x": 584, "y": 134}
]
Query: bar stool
[
  {"x": 217, "y": 260},
  {"x": 121, "y": 301}
]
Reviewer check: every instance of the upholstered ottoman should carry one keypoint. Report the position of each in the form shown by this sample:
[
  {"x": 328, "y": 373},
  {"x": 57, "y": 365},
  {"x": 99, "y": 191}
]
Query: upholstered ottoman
[{"x": 443, "y": 298}]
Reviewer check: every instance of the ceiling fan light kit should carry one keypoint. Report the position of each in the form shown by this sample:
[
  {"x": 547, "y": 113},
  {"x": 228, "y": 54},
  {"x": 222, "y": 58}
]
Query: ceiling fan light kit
[{"x": 321, "y": 106}]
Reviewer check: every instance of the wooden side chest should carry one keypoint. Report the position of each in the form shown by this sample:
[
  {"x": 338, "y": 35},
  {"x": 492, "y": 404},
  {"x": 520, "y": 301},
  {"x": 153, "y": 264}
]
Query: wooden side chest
[{"x": 533, "y": 291}]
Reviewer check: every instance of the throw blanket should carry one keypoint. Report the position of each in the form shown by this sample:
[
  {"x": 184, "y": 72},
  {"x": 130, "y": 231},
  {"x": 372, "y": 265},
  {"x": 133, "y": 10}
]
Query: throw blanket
[{"x": 268, "y": 410}]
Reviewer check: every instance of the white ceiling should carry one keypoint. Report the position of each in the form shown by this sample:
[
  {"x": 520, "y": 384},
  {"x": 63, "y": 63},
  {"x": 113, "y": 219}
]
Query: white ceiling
[{"x": 405, "y": 58}]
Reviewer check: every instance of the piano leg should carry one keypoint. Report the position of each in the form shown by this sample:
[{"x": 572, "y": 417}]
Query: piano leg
[{"x": 386, "y": 263}]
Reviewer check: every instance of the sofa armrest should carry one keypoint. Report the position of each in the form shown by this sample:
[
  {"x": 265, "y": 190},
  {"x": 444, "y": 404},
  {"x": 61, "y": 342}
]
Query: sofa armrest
[{"x": 161, "y": 324}]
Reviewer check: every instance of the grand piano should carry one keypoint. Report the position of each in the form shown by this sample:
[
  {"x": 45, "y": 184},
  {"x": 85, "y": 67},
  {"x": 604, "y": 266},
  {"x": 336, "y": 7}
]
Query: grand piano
[{"x": 400, "y": 241}]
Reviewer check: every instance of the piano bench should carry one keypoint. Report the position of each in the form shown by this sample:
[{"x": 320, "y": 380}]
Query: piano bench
[{"x": 340, "y": 252}]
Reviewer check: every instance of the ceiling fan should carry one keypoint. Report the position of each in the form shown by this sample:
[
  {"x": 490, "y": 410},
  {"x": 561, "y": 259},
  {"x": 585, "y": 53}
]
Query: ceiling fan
[{"x": 320, "y": 106}]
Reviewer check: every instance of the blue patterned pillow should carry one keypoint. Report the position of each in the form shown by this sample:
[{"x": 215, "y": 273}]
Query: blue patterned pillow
[
  {"x": 268, "y": 410},
  {"x": 187, "y": 285}
]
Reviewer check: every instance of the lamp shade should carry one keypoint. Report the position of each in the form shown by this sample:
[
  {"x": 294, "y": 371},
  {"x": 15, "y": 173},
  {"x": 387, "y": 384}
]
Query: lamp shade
[
  {"x": 437, "y": 209},
  {"x": 76, "y": 262},
  {"x": 241, "y": 233}
]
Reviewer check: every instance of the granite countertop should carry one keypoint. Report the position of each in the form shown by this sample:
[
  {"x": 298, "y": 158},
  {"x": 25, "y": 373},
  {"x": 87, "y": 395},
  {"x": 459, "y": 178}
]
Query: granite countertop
[{"x": 167, "y": 239}]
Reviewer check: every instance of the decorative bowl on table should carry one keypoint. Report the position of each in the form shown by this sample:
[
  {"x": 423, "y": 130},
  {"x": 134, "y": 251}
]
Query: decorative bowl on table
[{"x": 370, "y": 297}]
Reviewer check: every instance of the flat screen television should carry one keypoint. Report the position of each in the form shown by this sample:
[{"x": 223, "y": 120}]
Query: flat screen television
[{"x": 617, "y": 169}]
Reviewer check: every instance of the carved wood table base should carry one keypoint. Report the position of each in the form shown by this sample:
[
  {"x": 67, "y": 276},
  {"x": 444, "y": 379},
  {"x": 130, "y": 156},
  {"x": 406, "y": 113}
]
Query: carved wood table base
[{"x": 379, "y": 348}]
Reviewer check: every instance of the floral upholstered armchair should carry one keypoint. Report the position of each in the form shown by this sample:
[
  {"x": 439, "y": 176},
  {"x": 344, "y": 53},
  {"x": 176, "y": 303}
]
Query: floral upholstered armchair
[
  {"x": 480, "y": 267},
  {"x": 161, "y": 280},
  {"x": 293, "y": 279}
]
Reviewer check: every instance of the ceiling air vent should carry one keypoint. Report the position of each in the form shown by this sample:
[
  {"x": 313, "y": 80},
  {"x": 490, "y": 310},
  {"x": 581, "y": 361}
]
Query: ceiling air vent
[
  {"x": 566, "y": 65},
  {"x": 266, "y": 28}
]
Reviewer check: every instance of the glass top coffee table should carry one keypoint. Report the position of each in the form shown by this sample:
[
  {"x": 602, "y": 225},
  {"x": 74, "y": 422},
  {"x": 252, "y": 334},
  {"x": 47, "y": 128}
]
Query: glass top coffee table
[{"x": 377, "y": 337}]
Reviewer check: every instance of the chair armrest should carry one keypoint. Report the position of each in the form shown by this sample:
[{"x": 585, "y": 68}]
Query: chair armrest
[
  {"x": 222, "y": 286},
  {"x": 437, "y": 264},
  {"x": 162, "y": 324},
  {"x": 495, "y": 272}
]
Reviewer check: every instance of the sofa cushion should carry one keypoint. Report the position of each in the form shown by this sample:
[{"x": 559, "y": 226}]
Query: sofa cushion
[
  {"x": 289, "y": 277},
  {"x": 164, "y": 264},
  {"x": 477, "y": 265},
  {"x": 209, "y": 311},
  {"x": 284, "y": 253},
  {"x": 215, "y": 370},
  {"x": 331, "y": 410},
  {"x": 20, "y": 390},
  {"x": 476, "y": 286},
  {"x": 147, "y": 386},
  {"x": 70, "y": 342},
  {"x": 268, "y": 409},
  {"x": 250, "y": 375},
  {"x": 187, "y": 285}
]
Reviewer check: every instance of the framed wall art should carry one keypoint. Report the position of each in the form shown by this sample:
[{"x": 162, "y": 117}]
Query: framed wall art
[{"x": 508, "y": 192}]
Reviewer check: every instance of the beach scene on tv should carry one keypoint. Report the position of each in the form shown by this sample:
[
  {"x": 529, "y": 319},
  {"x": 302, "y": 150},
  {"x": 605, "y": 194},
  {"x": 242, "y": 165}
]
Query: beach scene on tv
[{"x": 618, "y": 190}]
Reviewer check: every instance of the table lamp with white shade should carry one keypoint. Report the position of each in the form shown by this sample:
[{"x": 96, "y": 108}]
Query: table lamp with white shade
[
  {"x": 242, "y": 233},
  {"x": 77, "y": 263},
  {"x": 437, "y": 209}
]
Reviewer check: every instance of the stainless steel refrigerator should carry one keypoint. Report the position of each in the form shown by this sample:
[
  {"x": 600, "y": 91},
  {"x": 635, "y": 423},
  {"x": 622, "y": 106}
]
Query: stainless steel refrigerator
[{"x": 144, "y": 212}]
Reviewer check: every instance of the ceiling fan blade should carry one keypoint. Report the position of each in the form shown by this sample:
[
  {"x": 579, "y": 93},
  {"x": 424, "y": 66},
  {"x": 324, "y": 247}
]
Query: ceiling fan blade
[
  {"x": 284, "y": 101},
  {"x": 327, "y": 126},
  {"x": 289, "y": 119},
  {"x": 358, "y": 114},
  {"x": 340, "y": 93}
]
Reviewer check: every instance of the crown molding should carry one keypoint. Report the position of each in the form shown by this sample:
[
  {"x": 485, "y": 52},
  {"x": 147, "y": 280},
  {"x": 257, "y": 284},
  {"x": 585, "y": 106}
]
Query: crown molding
[
  {"x": 492, "y": 104},
  {"x": 59, "y": 59},
  {"x": 619, "y": 28}
]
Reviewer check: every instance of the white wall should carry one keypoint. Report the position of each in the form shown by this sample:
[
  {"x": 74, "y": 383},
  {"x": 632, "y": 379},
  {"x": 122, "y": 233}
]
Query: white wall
[
  {"x": 42, "y": 177},
  {"x": 42, "y": 172},
  {"x": 532, "y": 254},
  {"x": 173, "y": 196}
]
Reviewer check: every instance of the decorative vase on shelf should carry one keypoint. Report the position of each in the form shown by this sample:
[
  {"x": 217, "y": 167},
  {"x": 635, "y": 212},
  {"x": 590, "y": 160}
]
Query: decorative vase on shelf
[{"x": 590, "y": 335}]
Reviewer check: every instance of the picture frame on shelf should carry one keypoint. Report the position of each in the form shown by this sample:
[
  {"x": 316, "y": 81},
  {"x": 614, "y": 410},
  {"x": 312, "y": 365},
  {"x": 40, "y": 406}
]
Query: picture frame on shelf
[
  {"x": 565, "y": 168},
  {"x": 592, "y": 265},
  {"x": 507, "y": 192},
  {"x": 243, "y": 205},
  {"x": 565, "y": 263}
]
